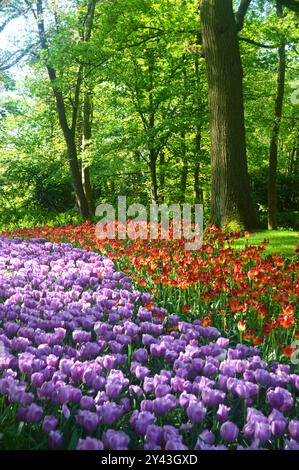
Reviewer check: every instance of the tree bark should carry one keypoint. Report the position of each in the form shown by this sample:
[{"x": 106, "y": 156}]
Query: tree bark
[
  {"x": 162, "y": 175},
  {"x": 273, "y": 154},
  {"x": 296, "y": 159},
  {"x": 153, "y": 171},
  {"x": 76, "y": 178},
  {"x": 86, "y": 137},
  {"x": 198, "y": 192},
  {"x": 183, "y": 182},
  {"x": 87, "y": 112},
  {"x": 230, "y": 189},
  {"x": 185, "y": 170},
  {"x": 153, "y": 154}
]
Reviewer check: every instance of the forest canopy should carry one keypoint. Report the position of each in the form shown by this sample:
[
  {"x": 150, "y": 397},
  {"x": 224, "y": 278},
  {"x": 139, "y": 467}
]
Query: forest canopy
[{"x": 107, "y": 98}]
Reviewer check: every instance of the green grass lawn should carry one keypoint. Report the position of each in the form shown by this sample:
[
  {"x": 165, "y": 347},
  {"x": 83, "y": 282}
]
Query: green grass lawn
[{"x": 281, "y": 241}]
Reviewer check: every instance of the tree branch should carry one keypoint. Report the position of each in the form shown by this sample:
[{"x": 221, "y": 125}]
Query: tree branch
[
  {"x": 14, "y": 58},
  {"x": 4, "y": 24},
  {"x": 258, "y": 44},
  {"x": 241, "y": 13},
  {"x": 14, "y": 13},
  {"x": 159, "y": 33},
  {"x": 30, "y": 8},
  {"x": 142, "y": 41}
]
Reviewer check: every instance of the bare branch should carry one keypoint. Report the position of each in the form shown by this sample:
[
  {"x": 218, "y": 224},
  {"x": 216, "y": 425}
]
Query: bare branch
[
  {"x": 14, "y": 13},
  {"x": 14, "y": 58},
  {"x": 31, "y": 8},
  {"x": 4, "y": 24}
]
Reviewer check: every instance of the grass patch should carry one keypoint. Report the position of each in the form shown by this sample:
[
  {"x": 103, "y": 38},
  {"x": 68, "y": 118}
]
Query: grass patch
[{"x": 280, "y": 241}]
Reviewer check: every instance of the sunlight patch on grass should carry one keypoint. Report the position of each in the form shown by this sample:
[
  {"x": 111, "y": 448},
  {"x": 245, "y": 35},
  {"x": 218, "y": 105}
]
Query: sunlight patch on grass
[{"x": 281, "y": 241}]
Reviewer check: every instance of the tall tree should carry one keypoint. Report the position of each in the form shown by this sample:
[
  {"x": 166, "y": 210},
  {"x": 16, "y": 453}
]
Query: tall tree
[
  {"x": 68, "y": 125},
  {"x": 273, "y": 155},
  {"x": 85, "y": 34},
  {"x": 230, "y": 189}
]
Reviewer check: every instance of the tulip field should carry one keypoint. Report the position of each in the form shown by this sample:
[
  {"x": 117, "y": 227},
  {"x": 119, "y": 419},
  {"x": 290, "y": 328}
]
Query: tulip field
[{"x": 142, "y": 345}]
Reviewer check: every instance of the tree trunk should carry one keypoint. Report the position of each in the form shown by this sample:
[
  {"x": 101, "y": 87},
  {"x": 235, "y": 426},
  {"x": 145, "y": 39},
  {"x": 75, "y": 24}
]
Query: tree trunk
[
  {"x": 76, "y": 177},
  {"x": 185, "y": 169},
  {"x": 183, "y": 182},
  {"x": 162, "y": 175},
  {"x": 296, "y": 162},
  {"x": 70, "y": 139},
  {"x": 230, "y": 189},
  {"x": 87, "y": 113},
  {"x": 88, "y": 189},
  {"x": 153, "y": 154},
  {"x": 273, "y": 154},
  {"x": 69, "y": 132},
  {"x": 86, "y": 137},
  {"x": 198, "y": 193},
  {"x": 153, "y": 172}
]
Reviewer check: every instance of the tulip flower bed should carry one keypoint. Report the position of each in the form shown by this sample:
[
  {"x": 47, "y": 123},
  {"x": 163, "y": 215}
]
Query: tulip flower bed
[
  {"x": 87, "y": 362},
  {"x": 250, "y": 297}
]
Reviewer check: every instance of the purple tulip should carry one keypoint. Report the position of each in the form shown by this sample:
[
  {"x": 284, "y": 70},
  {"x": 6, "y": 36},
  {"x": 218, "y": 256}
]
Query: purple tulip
[
  {"x": 161, "y": 406},
  {"x": 229, "y": 431},
  {"x": 141, "y": 372},
  {"x": 196, "y": 412},
  {"x": 175, "y": 445},
  {"x": 154, "y": 434},
  {"x": 278, "y": 428},
  {"x": 90, "y": 444},
  {"x": 141, "y": 420},
  {"x": 49, "y": 424},
  {"x": 147, "y": 405},
  {"x": 208, "y": 437},
  {"x": 110, "y": 413},
  {"x": 115, "y": 440},
  {"x": 87, "y": 403},
  {"x": 212, "y": 397},
  {"x": 88, "y": 420},
  {"x": 222, "y": 413},
  {"x": 34, "y": 413},
  {"x": 291, "y": 445},
  {"x": 162, "y": 390},
  {"x": 280, "y": 399},
  {"x": 262, "y": 431},
  {"x": 55, "y": 439},
  {"x": 294, "y": 429}
]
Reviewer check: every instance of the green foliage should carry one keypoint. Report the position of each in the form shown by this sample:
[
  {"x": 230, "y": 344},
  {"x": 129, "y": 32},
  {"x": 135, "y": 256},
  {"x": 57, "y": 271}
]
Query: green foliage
[{"x": 146, "y": 78}]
